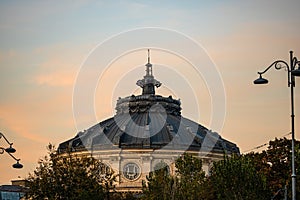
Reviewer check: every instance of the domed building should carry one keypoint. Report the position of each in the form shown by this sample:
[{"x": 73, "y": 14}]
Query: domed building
[{"x": 146, "y": 131}]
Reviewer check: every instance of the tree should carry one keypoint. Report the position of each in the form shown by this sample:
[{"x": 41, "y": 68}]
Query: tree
[
  {"x": 275, "y": 164},
  {"x": 235, "y": 177},
  {"x": 160, "y": 184},
  {"x": 69, "y": 176},
  {"x": 191, "y": 177},
  {"x": 188, "y": 182},
  {"x": 262, "y": 175}
]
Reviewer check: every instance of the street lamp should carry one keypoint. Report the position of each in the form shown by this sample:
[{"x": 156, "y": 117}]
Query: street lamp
[
  {"x": 10, "y": 150},
  {"x": 292, "y": 72}
]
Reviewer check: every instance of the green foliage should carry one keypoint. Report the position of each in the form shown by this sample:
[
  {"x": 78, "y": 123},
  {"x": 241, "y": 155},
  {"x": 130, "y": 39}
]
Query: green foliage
[
  {"x": 236, "y": 178},
  {"x": 160, "y": 185},
  {"x": 246, "y": 177},
  {"x": 275, "y": 164},
  {"x": 191, "y": 178},
  {"x": 188, "y": 183},
  {"x": 69, "y": 177}
]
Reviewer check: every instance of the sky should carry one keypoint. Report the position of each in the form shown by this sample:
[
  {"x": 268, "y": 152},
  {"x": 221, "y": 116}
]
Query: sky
[{"x": 46, "y": 45}]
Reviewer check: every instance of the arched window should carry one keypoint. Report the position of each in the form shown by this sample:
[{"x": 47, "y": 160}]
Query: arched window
[{"x": 162, "y": 166}]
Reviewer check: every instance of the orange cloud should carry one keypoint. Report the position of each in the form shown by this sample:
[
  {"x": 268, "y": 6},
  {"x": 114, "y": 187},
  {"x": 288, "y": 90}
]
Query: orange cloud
[{"x": 58, "y": 78}]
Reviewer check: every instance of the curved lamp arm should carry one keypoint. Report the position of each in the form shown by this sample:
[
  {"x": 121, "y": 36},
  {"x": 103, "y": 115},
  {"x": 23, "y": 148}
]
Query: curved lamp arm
[
  {"x": 10, "y": 149},
  {"x": 279, "y": 64},
  {"x": 2, "y": 135}
]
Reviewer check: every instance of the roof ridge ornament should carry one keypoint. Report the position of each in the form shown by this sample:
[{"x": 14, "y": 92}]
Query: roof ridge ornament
[{"x": 148, "y": 82}]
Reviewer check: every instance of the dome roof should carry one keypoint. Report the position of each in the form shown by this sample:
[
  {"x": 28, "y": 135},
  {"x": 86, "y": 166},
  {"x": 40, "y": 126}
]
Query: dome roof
[{"x": 148, "y": 121}]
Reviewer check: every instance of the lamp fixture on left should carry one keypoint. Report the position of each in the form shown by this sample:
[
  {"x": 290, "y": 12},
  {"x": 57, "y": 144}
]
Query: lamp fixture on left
[{"x": 10, "y": 150}]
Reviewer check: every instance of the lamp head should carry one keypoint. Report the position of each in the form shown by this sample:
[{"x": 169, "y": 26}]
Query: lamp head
[
  {"x": 260, "y": 80},
  {"x": 296, "y": 72},
  {"x": 17, "y": 165},
  {"x": 10, "y": 149}
]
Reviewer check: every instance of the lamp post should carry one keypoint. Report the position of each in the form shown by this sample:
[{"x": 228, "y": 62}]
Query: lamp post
[
  {"x": 292, "y": 72},
  {"x": 10, "y": 150}
]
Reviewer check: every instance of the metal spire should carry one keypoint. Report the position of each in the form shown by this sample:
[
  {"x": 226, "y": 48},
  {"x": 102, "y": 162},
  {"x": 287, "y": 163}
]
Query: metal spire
[
  {"x": 148, "y": 82},
  {"x": 149, "y": 65}
]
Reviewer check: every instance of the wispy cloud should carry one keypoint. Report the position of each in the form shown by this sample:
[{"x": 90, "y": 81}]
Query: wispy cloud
[{"x": 59, "y": 78}]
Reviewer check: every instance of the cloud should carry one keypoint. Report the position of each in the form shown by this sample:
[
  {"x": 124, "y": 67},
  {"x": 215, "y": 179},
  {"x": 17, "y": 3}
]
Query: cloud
[
  {"x": 7, "y": 55},
  {"x": 57, "y": 78},
  {"x": 59, "y": 64},
  {"x": 19, "y": 120}
]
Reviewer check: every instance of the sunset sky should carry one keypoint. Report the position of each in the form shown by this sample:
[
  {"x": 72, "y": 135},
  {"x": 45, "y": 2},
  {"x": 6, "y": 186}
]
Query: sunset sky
[{"x": 45, "y": 45}]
